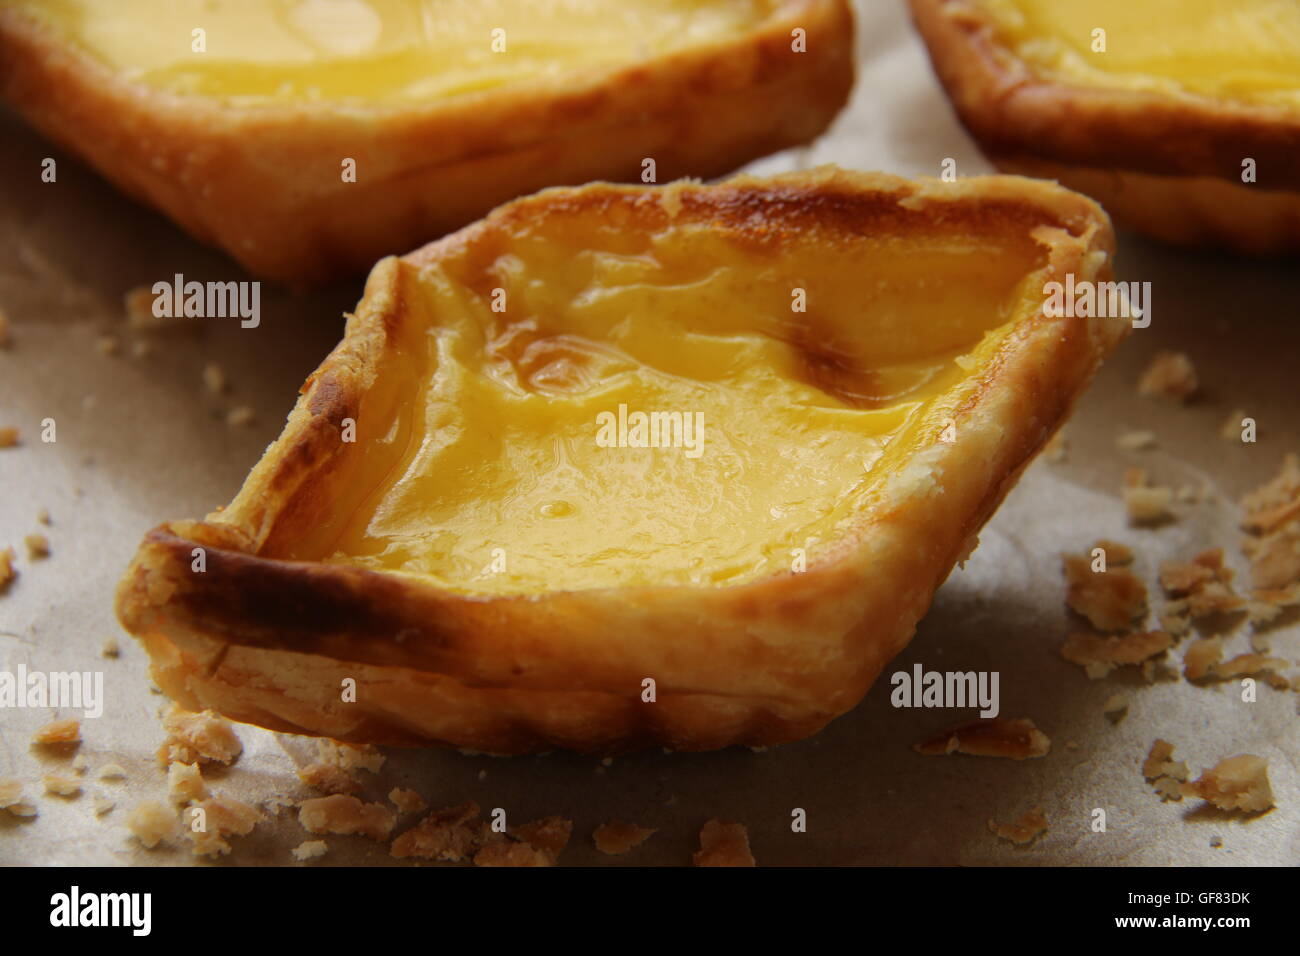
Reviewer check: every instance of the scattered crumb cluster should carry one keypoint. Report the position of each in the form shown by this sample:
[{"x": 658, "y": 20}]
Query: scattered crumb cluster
[
  {"x": 1237, "y": 783},
  {"x": 36, "y": 544},
  {"x": 142, "y": 326},
  {"x": 211, "y": 820},
  {"x": 1198, "y": 594}
]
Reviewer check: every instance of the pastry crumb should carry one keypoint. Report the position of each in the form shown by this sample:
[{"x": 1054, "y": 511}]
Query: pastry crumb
[
  {"x": 1136, "y": 441},
  {"x": 1231, "y": 428},
  {"x": 1170, "y": 375},
  {"x": 1276, "y": 502},
  {"x": 349, "y": 756},
  {"x": 239, "y": 416},
  {"x": 222, "y": 817},
  {"x": 1099, "y": 654},
  {"x": 723, "y": 843},
  {"x": 1145, "y": 504},
  {"x": 185, "y": 782},
  {"x": 1028, "y": 827},
  {"x": 138, "y": 305},
  {"x": 328, "y": 778},
  {"x": 310, "y": 850},
  {"x": 1266, "y": 606},
  {"x": 616, "y": 837},
  {"x": 58, "y": 732},
  {"x": 11, "y": 798},
  {"x": 151, "y": 822},
  {"x": 60, "y": 785},
  {"x": 1016, "y": 739},
  {"x": 1199, "y": 588},
  {"x": 1252, "y": 665},
  {"x": 205, "y": 737},
  {"x": 1111, "y": 600},
  {"x": 107, "y": 345},
  {"x": 8, "y": 436},
  {"x": 1116, "y": 704},
  {"x": 7, "y": 572},
  {"x": 511, "y": 855},
  {"x": 1272, "y": 526},
  {"x": 344, "y": 815},
  {"x": 1202, "y": 657},
  {"x": 111, "y": 771},
  {"x": 214, "y": 378},
  {"x": 1165, "y": 774},
  {"x": 38, "y": 546},
  {"x": 450, "y": 834},
  {"x": 100, "y": 804},
  {"x": 407, "y": 801},
  {"x": 276, "y": 803},
  {"x": 110, "y": 647},
  {"x": 1235, "y": 783},
  {"x": 549, "y": 835},
  {"x": 1116, "y": 552}
]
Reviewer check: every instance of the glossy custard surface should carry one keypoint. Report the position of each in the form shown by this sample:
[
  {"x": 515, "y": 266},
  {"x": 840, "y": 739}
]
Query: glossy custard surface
[
  {"x": 400, "y": 50},
  {"x": 495, "y": 477},
  {"x": 1235, "y": 49}
]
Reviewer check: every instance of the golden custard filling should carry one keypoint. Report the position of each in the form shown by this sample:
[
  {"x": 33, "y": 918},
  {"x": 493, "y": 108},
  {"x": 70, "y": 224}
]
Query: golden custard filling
[
  {"x": 399, "y": 50},
  {"x": 1235, "y": 49},
  {"x": 577, "y": 407}
]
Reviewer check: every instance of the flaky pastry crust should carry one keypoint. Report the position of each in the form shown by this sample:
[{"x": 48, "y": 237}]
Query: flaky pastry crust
[
  {"x": 269, "y": 641},
  {"x": 263, "y": 183},
  {"x": 1167, "y": 165}
]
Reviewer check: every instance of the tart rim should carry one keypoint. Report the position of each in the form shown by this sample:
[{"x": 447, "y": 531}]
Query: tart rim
[
  {"x": 1011, "y": 109},
  {"x": 252, "y": 180}
]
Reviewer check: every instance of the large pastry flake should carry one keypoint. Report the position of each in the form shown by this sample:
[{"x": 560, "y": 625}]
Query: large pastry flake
[
  {"x": 1182, "y": 117},
  {"x": 622, "y": 466},
  {"x": 312, "y": 137}
]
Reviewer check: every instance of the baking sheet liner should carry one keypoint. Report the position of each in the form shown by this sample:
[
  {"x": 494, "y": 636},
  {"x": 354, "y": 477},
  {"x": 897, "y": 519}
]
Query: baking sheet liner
[{"x": 140, "y": 440}]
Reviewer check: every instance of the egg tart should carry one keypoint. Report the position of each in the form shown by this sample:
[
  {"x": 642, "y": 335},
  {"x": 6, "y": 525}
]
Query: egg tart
[
  {"x": 620, "y": 466},
  {"x": 1182, "y": 117},
  {"x": 311, "y": 137}
]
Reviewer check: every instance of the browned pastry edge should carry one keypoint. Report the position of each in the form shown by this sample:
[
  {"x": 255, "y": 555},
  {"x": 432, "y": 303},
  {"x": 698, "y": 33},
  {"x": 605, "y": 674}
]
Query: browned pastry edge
[
  {"x": 269, "y": 641},
  {"x": 1189, "y": 210},
  {"x": 263, "y": 183}
]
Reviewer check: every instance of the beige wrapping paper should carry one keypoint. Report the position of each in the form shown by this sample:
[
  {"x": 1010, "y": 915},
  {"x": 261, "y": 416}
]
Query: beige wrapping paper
[{"x": 140, "y": 439}]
